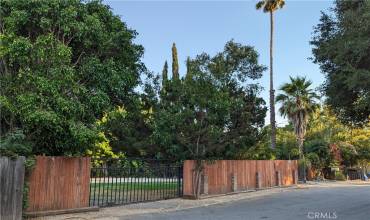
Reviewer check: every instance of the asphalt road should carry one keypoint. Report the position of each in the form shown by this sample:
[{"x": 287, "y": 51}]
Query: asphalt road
[{"x": 349, "y": 202}]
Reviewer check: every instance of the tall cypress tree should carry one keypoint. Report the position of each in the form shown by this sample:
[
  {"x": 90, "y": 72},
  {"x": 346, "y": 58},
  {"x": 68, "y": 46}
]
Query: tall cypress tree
[
  {"x": 188, "y": 71},
  {"x": 175, "y": 63},
  {"x": 165, "y": 72}
]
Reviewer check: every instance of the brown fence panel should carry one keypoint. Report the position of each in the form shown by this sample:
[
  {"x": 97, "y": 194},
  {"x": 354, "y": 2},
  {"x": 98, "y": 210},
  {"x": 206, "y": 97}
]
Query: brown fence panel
[
  {"x": 221, "y": 172},
  {"x": 58, "y": 183},
  {"x": 11, "y": 188}
]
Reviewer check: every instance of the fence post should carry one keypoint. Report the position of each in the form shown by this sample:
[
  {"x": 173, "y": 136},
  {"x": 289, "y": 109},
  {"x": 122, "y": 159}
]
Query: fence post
[
  {"x": 258, "y": 180},
  {"x": 278, "y": 178},
  {"x": 234, "y": 183},
  {"x": 205, "y": 184},
  {"x": 295, "y": 176}
]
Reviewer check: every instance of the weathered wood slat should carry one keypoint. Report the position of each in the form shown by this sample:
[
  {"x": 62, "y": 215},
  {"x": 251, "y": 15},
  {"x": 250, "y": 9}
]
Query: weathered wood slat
[{"x": 11, "y": 188}]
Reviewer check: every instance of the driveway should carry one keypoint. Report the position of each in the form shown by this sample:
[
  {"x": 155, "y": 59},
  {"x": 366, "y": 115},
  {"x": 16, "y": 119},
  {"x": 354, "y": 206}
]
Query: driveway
[{"x": 331, "y": 201}]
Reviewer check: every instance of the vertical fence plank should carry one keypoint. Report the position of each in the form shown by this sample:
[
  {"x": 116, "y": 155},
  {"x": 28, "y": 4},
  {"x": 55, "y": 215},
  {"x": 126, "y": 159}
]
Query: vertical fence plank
[
  {"x": 59, "y": 183},
  {"x": 221, "y": 171},
  {"x": 11, "y": 188},
  {"x": 188, "y": 177}
]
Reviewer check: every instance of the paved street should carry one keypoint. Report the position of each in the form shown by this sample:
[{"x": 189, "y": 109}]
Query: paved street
[{"x": 334, "y": 202}]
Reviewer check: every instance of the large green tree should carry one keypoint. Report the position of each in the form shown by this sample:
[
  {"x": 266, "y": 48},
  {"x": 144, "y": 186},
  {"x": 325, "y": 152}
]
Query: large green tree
[
  {"x": 270, "y": 6},
  {"x": 215, "y": 110},
  {"x": 341, "y": 47},
  {"x": 62, "y": 64}
]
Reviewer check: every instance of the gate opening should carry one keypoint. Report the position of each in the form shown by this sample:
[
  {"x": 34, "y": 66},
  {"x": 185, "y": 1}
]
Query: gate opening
[{"x": 125, "y": 181}]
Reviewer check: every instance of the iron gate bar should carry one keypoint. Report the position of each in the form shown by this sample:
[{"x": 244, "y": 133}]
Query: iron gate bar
[
  {"x": 115, "y": 191},
  {"x": 134, "y": 187},
  {"x": 119, "y": 188},
  {"x": 117, "y": 182},
  {"x": 161, "y": 183}
]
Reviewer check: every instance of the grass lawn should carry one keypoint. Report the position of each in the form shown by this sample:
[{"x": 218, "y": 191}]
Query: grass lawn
[
  {"x": 133, "y": 186},
  {"x": 103, "y": 194}
]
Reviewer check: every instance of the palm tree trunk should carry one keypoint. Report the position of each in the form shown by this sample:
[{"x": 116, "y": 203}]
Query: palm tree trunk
[
  {"x": 272, "y": 91},
  {"x": 302, "y": 158}
]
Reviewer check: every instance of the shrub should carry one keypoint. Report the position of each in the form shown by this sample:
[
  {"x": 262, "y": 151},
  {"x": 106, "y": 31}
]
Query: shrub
[
  {"x": 339, "y": 176},
  {"x": 15, "y": 144}
]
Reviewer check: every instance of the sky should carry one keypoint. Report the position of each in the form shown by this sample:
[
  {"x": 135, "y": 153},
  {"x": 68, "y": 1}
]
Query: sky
[{"x": 205, "y": 26}]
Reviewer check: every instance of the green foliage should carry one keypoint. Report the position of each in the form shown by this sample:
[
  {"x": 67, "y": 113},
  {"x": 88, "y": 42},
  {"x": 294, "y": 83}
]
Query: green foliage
[
  {"x": 318, "y": 153},
  {"x": 325, "y": 126},
  {"x": 298, "y": 102},
  {"x": 314, "y": 160},
  {"x": 341, "y": 48},
  {"x": 102, "y": 151},
  {"x": 188, "y": 69},
  {"x": 26, "y": 190},
  {"x": 214, "y": 113},
  {"x": 325, "y": 132},
  {"x": 175, "y": 63},
  {"x": 15, "y": 144},
  {"x": 340, "y": 176},
  {"x": 261, "y": 150},
  {"x": 128, "y": 131},
  {"x": 29, "y": 164},
  {"x": 62, "y": 65},
  {"x": 356, "y": 146},
  {"x": 348, "y": 153},
  {"x": 165, "y": 72},
  {"x": 286, "y": 144},
  {"x": 305, "y": 162},
  {"x": 257, "y": 152},
  {"x": 352, "y": 142}
]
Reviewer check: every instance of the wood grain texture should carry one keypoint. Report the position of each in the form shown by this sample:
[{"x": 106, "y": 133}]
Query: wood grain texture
[
  {"x": 59, "y": 183},
  {"x": 220, "y": 173},
  {"x": 11, "y": 188}
]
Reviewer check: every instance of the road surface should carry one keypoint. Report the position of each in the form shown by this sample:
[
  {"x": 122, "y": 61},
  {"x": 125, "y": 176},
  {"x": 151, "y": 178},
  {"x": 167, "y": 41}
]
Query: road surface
[{"x": 345, "y": 202}]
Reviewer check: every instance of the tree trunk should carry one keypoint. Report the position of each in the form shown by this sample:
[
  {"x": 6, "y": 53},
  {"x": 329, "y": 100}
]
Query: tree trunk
[
  {"x": 197, "y": 173},
  {"x": 301, "y": 157},
  {"x": 272, "y": 91}
]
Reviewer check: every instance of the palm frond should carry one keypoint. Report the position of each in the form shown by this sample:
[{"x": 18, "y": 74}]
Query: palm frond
[
  {"x": 281, "y": 3},
  {"x": 270, "y": 5},
  {"x": 260, "y": 4},
  {"x": 298, "y": 102}
]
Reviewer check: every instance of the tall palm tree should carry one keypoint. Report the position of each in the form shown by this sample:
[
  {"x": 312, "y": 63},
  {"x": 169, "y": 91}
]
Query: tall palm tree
[
  {"x": 298, "y": 102},
  {"x": 270, "y": 6}
]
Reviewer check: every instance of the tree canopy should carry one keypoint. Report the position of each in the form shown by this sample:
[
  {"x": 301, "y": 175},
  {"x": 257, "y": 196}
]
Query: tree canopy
[
  {"x": 298, "y": 101},
  {"x": 269, "y": 6},
  {"x": 62, "y": 64},
  {"x": 326, "y": 136},
  {"x": 214, "y": 111},
  {"x": 341, "y": 48}
]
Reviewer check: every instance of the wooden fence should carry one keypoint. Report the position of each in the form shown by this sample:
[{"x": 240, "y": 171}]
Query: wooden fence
[
  {"x": 59, "y": 183},
  {"x": 63, "y": 183},
  {"x": 223, "y": 176},
  {"x": 11, "y": 188}
]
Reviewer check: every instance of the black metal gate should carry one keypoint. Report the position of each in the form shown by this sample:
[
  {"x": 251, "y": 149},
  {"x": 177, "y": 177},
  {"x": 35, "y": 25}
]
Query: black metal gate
[
  {"x": 134, "y": 180},
  {"x": 355, "y": 174}
]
